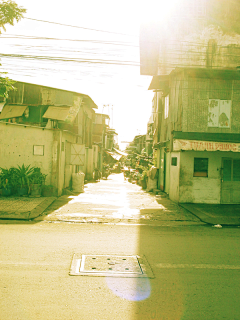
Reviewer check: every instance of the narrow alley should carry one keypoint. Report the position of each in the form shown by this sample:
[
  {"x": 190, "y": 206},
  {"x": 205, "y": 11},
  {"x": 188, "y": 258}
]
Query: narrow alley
[{"x": 115, "y": 200}]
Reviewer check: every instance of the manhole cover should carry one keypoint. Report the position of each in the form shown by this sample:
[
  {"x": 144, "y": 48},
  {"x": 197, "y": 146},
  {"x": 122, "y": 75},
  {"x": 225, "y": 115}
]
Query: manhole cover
[{"x": 110, "y": 265}]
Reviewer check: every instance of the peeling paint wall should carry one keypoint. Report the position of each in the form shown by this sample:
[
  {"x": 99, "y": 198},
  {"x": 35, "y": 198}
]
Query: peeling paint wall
[
  {"x": 16, "y": 147},
  {"x": 200, "y": 189}
]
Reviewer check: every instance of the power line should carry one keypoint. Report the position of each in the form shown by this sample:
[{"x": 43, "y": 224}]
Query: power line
[
  {"x": 65, "y": 59},
  {"x": 15, "y": 36},
  {"x": 68, "y": 25}
]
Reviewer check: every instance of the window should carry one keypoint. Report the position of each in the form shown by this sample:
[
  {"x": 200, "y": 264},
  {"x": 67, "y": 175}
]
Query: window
[
  {"x": 166, "y": 107},
  {"x": 174, "y": 161},
  {"x": 200, "y": 167}
]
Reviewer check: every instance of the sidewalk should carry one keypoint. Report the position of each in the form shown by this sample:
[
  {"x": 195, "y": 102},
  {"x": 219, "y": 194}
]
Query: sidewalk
[
  {"x": 222, "y": 214},
  {"x": 21, "y": 208}
]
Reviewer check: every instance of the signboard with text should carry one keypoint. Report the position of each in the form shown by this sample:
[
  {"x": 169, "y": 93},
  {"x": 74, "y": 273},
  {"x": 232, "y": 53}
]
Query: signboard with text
[{"x": 197, "y": 145}]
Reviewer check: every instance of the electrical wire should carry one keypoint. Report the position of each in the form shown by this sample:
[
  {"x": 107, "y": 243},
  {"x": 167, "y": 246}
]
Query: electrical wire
[
  {"x": 118, "y": 43},
  {"x": 65, "y": 59},
  {"x": 68, "y": 25}
]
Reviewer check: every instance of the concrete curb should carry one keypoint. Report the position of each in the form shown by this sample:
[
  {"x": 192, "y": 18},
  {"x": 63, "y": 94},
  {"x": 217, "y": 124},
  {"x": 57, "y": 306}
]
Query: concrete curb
[
  {"x": 28, "y": 215},
  {"x": 208, "y": 218}
]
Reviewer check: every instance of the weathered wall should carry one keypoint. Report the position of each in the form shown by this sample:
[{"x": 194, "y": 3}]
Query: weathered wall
[
  {"x": 196, "y": 95},
  {"x": 177, "y": 85},
  {"x": 174, "y": 177},
  {"x": 200, "y": 189},
  {"x": 65, "y": 169},
  {"x": 16, "y": 147}
]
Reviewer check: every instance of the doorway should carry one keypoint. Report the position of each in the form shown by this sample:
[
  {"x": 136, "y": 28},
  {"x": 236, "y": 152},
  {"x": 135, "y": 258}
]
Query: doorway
[{"x": 230, "y": 186}]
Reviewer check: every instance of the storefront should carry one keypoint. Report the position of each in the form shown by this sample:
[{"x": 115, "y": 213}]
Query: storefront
[{"x": 205, "y": 171}]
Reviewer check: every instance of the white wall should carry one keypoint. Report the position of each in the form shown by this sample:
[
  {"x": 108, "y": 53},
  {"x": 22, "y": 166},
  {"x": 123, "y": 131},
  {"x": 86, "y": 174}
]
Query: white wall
[
  {"x": 16, "y": 147},
  {"x": 200, "y": 189},
  {"x": 174, "y": 177}
]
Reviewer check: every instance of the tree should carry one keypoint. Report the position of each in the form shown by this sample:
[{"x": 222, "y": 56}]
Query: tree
[{"x": 9, "y": 12}]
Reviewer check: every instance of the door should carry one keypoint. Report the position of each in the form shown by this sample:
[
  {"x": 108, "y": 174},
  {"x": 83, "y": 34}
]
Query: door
[{"x": 230, "y": 192}]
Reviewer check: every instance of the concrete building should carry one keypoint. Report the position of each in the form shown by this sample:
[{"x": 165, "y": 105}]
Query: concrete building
[
  {"x": 199, "y": 135},
  {"x": 51, "y": 129},
  {"x": 100, "y": 133},
  {"x": 194, "y": 60}
]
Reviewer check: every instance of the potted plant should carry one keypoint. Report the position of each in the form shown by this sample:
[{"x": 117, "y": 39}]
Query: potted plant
[
  {"x": 6, "y": 188},
  {"x": 23, "y": 174},
  {"x": 49, "y": 191},
  {"x": 36, "y": 180},
  {"x": 6, "y": 181}
]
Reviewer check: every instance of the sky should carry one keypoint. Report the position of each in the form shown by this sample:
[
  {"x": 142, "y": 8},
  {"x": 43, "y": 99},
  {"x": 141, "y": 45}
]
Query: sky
[{"x": 99, "y": 56}]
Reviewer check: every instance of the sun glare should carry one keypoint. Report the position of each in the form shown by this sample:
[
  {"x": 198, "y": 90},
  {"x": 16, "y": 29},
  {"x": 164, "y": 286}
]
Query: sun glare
[{"x": 158, "y": 10}]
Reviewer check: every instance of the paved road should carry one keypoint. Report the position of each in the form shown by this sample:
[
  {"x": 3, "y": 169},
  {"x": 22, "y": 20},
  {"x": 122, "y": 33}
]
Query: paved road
[
  {"x": 196, "y": 267},
  {"x": 118, "y": 201}
]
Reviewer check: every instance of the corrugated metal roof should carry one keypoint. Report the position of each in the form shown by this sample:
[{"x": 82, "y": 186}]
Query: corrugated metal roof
[
  {"x": 86, "y": 99},
  {"x": 12, "y": 111},
  {"x": 57, "y": 113}
]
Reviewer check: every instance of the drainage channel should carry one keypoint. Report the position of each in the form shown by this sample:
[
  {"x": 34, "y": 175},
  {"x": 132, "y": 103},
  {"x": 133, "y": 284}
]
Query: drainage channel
[{"x": 110, "y": 266}]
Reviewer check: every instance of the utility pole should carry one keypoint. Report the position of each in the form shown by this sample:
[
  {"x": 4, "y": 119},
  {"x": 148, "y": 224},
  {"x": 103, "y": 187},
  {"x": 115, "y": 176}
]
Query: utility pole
[{"x": 110, "y": 108}]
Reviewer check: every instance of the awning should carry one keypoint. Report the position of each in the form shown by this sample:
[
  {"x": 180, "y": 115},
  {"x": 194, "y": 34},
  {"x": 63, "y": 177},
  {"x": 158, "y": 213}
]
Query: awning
[
  {"x": 121, "y": 152},
  {"x": 159, "y": 83},
  {"x": 12, "y": 111},
  {"x": 207, "y": 136},
  {"x": 114, "y": 155},
  {"x": 57, "y": 113}
]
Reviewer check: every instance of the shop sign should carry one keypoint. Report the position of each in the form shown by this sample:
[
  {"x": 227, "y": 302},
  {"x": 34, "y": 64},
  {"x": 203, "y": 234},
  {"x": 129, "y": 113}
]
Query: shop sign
[{"x": 205, "y": 145}]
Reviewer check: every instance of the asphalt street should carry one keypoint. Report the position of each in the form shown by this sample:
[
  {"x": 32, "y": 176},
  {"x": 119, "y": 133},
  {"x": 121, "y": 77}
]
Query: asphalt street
[
  {"x": 195, "y": 267},
  {"x": 117, "y": 201}
]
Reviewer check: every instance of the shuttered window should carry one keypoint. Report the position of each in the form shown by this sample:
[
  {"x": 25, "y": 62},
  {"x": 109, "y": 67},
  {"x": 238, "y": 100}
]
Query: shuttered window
[{"x": 200, "y": 167}]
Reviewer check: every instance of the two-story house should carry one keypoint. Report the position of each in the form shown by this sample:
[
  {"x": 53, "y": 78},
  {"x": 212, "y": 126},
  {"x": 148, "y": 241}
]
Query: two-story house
[
  {"x": 193, "y": 57},
  {"x": 48, "y": 128},
  {"x": 199, "y": 143}
]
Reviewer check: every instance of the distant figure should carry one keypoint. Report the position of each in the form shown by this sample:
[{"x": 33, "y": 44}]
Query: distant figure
[
  {"x": 96, "y": 174},
  {"x": 119, "y": 167}
]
